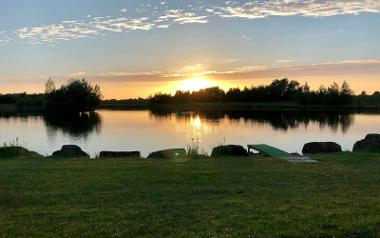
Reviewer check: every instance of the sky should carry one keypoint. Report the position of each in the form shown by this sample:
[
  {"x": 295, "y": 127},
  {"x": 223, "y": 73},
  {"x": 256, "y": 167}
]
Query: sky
[{"x": 137, "y": 48}]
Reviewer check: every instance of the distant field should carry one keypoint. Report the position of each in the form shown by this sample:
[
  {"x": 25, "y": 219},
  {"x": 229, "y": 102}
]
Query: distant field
[{"x": 227, "y": 197}]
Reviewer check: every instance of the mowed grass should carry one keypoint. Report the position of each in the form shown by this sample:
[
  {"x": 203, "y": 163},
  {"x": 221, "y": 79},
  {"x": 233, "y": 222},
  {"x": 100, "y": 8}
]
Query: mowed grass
[{"x": 227, "y": 197}]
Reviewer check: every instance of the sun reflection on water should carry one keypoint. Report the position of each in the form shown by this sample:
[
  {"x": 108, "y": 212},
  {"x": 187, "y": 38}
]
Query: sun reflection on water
[{"x": 196, "y": 122}]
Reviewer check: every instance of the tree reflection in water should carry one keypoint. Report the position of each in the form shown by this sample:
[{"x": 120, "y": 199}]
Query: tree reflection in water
[
  {"x": 278, "y": 120},
  {"x": 77, "y": 126}
]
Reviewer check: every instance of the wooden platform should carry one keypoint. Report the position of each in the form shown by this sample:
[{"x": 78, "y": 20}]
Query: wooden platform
[{"x": 270, "y": 151}]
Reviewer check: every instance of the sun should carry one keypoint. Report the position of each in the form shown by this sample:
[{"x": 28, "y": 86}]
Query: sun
[{"x": 195, "y": 84}]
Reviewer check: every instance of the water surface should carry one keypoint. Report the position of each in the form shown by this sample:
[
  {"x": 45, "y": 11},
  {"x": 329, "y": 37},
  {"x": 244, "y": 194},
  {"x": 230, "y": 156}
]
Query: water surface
[{"x": 147, "y": 131}]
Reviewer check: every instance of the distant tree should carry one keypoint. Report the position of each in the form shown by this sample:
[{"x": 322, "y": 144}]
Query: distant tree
[
  {"x": 306, "y": 88},
  {"x": 280, "y": 90},
  {"x": 292, "y": 90},
  {"x": 277, "y": 89},
  {"x": 346, "y": 94},
  {"x": 363, "y": 93},
  {"x": 76, "y": 96},
  {"x": 333, "y": 89},
  {"x": 49, "y": 86},
  {"x": 160, "y": 98},
  {"x": 346, "y": 89}
]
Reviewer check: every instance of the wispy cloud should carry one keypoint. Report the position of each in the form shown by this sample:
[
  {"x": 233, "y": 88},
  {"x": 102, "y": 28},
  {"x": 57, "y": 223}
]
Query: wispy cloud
[
  {"x": 347, "y": 67},
  {"x": 160, "y": 16},
  {"x": 284, "y": 61},
  {"x": 64, "y": 31},
  {"x": 69, "y": 30},
  {"x": 121, "y": 24},
  {"x": 77, "y": 74},
  {"x": 308, "y": 8},
  {"x": 90, "y": 26},
  {"x": 182, "y": 17}
]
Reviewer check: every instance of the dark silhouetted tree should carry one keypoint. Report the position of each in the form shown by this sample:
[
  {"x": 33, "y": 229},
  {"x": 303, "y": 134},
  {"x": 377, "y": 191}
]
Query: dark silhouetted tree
[{"x": 76, "y": 96}]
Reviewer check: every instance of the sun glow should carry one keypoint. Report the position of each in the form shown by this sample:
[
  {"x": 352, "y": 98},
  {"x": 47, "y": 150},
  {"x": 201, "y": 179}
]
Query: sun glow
[{"x": 195, "y": 84}]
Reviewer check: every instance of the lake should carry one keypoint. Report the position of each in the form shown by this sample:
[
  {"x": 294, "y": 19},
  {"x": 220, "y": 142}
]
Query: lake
[{"x": 147, "y": 130}]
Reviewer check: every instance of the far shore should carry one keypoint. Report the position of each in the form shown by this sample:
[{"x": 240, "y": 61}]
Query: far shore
[
  {"x": 135, "y": 104},
  {"x": 124, "y": 105}
]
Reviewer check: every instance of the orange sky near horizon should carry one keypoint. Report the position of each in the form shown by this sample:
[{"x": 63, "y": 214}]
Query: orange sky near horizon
[
  {"x": 361, "y": 75},
  {"x": 135, "y": 89},
  {"x": 114, "y": 91}
]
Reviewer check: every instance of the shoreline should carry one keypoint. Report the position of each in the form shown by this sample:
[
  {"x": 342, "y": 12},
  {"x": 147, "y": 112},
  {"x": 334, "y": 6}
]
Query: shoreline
[
  {"x": 278, "y": 106},
  {"x": 238, "y": 106}
]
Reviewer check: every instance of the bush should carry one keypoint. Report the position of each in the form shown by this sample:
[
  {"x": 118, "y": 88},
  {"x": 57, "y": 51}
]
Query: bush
[{"x": 76, "y": 96}]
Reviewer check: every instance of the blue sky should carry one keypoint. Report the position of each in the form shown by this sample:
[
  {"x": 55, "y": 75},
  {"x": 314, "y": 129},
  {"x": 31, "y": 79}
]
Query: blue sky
[{"x": 134, "y": 48}]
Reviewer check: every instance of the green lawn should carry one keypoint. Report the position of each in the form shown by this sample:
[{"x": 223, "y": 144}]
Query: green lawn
[{"x": 229, "y": 197}]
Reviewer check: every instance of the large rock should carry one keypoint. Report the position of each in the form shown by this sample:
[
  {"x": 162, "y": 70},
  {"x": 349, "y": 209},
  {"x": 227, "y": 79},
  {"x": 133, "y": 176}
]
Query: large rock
[
  {"x": 229, "y": 150},
  {"x": 321, "y": 147},
  {"x": 370, "y": 143},
  {"x": 17, "y": 152},
  {"x": 119, "y": 154},
  {"x": 168, "y": 154},
  {"x": 71, "y": 151}
]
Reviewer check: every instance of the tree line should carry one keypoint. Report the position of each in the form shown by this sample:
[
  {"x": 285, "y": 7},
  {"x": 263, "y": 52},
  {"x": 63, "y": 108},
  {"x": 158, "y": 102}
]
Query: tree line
[
  {"x": 78, "y": 95},
  {"x": 280, "y": 90}
]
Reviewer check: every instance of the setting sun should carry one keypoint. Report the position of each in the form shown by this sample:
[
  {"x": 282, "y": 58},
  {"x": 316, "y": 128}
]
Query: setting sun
[{"x": 195, "y": 84}]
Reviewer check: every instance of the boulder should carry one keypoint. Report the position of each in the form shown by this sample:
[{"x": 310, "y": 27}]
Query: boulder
[
  {"x": 71, "y": 151},
  {"x": 119, "y": 154},
  {"x": 229, "y": 150},
  {"x": 168, "y": 154},
  {"x": 321, "y": 147},
  {"x": 17, "y": 152},
  {"x": 370, "y": 143}
]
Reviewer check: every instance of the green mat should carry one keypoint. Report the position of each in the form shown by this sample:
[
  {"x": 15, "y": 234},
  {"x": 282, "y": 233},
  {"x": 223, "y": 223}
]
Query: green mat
[{"x": 269, "y": 151}]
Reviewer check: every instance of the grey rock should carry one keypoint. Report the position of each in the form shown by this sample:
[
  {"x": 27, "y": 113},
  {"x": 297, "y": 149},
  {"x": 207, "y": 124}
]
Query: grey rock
[
  {"x": 17, "y": 152},
  {"x": 321, "y": 147},
  {"x": 119, "y": 154},
  {"x": 168, "y": 154},
  {"x": 229, "y": 150},
  {"x": 370, "y": 143},
  {"x": 71, "y": 151}
]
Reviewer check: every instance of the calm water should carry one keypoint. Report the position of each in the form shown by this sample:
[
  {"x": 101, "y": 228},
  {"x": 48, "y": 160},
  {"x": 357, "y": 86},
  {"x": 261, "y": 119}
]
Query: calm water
[{"x": 153, "y": 130}]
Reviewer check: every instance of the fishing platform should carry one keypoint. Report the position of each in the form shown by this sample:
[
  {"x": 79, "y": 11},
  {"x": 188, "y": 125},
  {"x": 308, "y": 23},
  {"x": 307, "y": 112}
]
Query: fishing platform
[{"x": 270, "y": 151}]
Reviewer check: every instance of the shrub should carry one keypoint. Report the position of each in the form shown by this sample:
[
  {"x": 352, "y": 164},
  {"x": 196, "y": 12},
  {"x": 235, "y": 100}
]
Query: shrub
[{"x": 76, "y": 96}]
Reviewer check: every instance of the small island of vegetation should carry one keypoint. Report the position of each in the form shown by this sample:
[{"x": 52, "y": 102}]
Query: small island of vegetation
[{"x": 78, "y": 95}]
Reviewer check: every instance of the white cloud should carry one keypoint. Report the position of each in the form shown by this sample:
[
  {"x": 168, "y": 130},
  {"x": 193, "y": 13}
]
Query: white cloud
[
  {"x": 77, "y": 74},
  {"x": 163, "y": 26},
  {"x": 122, "y": 24},
  {"x": 182, "y": 17},
  {"x": 69, "y": 30},
  {"x": 74, "y": 29},
  {"x": 51, "y": 33},
  {"x": 309, "y": 8},
  {"x": 284, "y": 61},
  {"x": 158, "y": 16}
]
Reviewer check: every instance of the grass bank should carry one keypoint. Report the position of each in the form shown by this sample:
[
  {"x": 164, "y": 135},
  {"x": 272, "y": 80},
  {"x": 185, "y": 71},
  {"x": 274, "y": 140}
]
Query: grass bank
[{"x": 229, "y": 197}]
